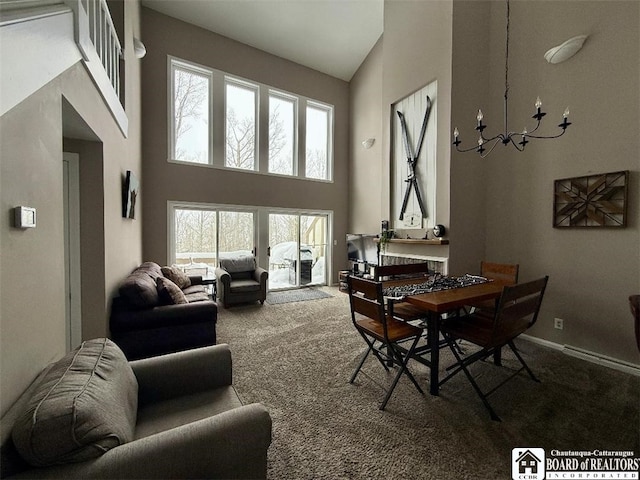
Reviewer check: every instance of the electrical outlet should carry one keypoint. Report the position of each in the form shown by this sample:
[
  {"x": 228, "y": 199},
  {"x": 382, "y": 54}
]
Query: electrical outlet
[{"x": 558, "y": 323}]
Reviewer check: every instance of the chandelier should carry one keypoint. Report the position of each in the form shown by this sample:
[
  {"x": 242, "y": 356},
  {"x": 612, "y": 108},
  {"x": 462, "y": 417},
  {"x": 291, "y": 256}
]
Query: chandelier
[{"x": 486, "y": 145}]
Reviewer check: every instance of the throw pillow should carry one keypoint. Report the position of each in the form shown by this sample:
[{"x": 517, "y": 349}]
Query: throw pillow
[
  {"x": 177, "y": 276},
  {"x": 140, "y": 290},
  {"x": 169, "y": 292},
  {"x": 84, "y": 405}
]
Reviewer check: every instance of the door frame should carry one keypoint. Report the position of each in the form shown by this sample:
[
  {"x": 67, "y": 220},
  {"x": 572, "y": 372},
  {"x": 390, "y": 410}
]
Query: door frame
[
  {"x": 261, "y": 229},
  {"x": 73, "y": 275},
  {"x": 329, "y": 240}
]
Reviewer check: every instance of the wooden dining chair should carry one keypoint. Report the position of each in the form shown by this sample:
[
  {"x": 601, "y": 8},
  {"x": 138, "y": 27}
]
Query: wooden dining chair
[
  {"x": 634, "y": 304},
  {"x": 382, "y": 332},
  {"x": 517, "y": 311},
  {"x": 505, "y": 273},
  {"x": 502, "y": 272},
  {"x": 417, "y": 271}
]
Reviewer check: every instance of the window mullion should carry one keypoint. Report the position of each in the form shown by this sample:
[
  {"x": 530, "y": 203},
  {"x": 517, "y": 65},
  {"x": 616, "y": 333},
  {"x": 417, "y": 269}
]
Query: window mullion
[
  {"x": 218, "y": 129},
  {"x": 262, "y": 129},
  {"x": 302, "y": 137}
]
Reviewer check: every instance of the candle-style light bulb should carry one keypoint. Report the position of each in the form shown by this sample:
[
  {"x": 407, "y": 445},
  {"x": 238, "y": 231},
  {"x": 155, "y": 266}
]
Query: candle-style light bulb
[
  {"x": 539, "y": 113},
  {"x": 524, "y": 140},
  {"x": 479, "y": 117},
  {"x": 456, "y": 133},
  {"x": 565, "y": 120},
  {"x": 480, "y": 141}
]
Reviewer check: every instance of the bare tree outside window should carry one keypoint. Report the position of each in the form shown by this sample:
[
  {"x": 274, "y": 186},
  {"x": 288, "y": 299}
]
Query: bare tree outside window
[
  {"x": 191, "y": 116},
  {"x": 236, "y": 232},
  {"x": 195, "y": 235},
  {"x": 316, "y": 164},
  {"x": 281, "y": 135},
  {"x": 241, "y": 127},
  {"x": 317, "y": 141}
]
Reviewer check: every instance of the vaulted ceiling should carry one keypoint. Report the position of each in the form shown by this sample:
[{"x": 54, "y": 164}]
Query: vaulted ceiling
[{"x": 331, "y": 36}]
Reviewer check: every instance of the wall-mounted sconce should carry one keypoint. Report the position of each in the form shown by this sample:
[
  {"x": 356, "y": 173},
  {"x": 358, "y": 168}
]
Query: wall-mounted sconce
[
  {"x": 565, "y": 50},
  {"x": 139, "y": 50},
  {"x": 368, "y": 143}
]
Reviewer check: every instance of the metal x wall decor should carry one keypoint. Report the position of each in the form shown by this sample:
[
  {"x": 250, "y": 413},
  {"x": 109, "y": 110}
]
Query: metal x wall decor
[{"x": 412, "y": 160}]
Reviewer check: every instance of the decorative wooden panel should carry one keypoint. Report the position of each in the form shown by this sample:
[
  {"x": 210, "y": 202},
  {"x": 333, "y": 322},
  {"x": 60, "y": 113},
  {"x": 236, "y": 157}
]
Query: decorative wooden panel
[
  {"x": 591, "y": 201},
  {"x": 413, "y": 108}
]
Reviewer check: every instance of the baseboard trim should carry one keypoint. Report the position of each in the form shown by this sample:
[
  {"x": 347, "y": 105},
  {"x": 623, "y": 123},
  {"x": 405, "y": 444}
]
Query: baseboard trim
[{"x": 587, "y": 355}]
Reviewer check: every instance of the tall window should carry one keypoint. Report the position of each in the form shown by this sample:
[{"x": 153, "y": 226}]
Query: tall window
[
  {"x": 318, "y": 138},
  {"x": 219, "y": 120},
  {"x": 190, "y": 113},
  {"x": 241, "y": 126},
  {"x": 282, "y": 114}
]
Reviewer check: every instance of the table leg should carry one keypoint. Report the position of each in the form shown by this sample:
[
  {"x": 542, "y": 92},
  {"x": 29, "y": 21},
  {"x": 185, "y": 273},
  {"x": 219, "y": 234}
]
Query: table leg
[
  {"x": 497, "y": 357},
  {"x": 433, "y": 329}
]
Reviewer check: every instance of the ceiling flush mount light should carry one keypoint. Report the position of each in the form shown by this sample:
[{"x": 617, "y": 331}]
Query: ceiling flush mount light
[
  {"x": 565, "y": 50},
  {"x": 368, "y": 143},
  {"x": 486, "y": 145}
]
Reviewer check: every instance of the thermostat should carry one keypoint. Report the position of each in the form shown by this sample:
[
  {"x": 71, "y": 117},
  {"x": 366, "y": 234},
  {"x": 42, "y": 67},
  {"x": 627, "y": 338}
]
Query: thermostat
[{"x": 24, "y": 217}]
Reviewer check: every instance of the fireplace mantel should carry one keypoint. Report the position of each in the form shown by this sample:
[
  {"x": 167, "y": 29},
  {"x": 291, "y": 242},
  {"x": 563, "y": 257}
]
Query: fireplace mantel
[{"x": 417, "y": 241}]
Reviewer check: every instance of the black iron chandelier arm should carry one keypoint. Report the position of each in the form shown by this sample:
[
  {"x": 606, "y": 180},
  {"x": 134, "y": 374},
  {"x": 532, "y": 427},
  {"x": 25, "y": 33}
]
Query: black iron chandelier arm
[
  {"x": 508, "y": 136},
  {"x": 500, "y": 136},
  {"x": 528, "y": 135}
]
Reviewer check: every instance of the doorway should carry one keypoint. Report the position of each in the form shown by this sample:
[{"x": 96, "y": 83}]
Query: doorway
[
  {"x": 297, "y": 250},
  {"x": 296, "y": 241}
]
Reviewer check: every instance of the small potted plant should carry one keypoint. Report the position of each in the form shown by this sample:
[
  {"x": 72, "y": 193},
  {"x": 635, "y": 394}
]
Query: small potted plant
[{"x": 385, "y": 236}]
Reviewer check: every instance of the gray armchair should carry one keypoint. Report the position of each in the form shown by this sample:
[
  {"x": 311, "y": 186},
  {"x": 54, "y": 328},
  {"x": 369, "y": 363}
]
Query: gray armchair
[
  {"x": 240, "y": 280},
  {"x": 189, "y": 423}
]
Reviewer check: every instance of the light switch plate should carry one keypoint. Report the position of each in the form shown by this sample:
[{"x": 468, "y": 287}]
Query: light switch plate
[{"x": 25, "y": 217}]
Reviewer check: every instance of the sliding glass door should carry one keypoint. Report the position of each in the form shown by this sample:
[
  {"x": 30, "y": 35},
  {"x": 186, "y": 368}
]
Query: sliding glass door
[
  {"x": 201, "y": 236},
  {"x": 236, "y": 235},
  {"x": 297, "y": 250},
  {"x": 295, "y": 242}
]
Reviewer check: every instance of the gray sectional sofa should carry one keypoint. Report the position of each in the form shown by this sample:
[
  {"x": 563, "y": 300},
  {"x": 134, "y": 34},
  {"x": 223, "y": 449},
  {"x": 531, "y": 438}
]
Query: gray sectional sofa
[{"x": 93, "y": 414}]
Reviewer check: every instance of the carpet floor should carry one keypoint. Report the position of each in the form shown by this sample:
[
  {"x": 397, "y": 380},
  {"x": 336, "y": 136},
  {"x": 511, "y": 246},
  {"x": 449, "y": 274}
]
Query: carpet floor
[
  {"x": 297, "y": 358},
  {"x": 298, "y": 295}
]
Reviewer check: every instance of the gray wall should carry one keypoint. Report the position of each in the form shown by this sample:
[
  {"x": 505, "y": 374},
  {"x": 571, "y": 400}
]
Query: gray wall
[
  {"x": 32, "y": 306},
  {"x": 500, "y": 208},
  {"x": 164, "y": 181},
  {"x": 592, "y": 271},
  {"x": 367, "y": 121}
]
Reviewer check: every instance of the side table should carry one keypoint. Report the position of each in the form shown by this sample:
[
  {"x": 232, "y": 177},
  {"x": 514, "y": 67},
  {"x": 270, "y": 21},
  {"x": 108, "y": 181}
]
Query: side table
[{"x": 212, "y": 283}]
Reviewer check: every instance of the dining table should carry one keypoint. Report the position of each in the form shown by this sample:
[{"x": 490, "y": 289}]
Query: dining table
[{"x": 437, "y": 303}]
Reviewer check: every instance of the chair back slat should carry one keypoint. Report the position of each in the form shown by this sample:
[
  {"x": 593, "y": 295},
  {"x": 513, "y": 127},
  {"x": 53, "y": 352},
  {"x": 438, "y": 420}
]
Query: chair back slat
[
  {"x": 407, "y": 270},
  {"x": 503, "y": 272},
  {"x": 367, "y": 288},
  {"x": 518, "y": 308},
  {"x": 368, "y": 308},
  {"x": 365, "y": 298}
]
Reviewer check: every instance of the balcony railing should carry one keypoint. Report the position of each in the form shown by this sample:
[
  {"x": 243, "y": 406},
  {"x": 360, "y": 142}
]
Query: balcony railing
[
  {"x": 104, "y": 38},
  {"x": 101, "y": 51}
]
